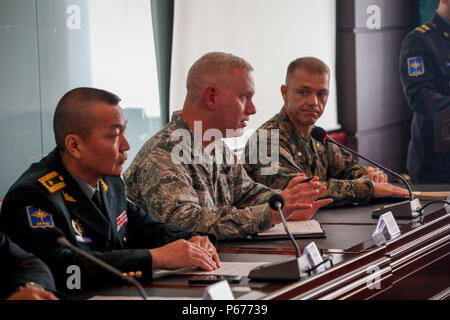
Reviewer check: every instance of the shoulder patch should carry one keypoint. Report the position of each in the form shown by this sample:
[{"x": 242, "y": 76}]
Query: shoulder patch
[
  {"x": 53, "y": 182},
  {"x": 416, "y": 66},
  {"x": 38, "y": 218}
]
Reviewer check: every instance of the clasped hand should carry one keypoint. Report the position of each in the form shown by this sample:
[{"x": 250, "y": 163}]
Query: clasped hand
[
  {"x": 198, "y": 251},
  {"x": 300, "y": 199}
]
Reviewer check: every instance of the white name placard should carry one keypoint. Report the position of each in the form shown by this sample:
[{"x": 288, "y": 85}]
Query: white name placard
[
  {"x": 218, "y": 291},
  {"x": 386, "y": 222},
  {"x": 314, "y": 257}
]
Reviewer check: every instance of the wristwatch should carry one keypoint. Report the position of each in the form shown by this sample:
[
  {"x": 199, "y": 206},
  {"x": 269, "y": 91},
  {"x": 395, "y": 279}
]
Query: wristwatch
[{"x": 30, "y": 284}]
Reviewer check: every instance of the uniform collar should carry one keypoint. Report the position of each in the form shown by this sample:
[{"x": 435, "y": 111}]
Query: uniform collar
[
  {"x": 441, "y": 23},
  {"x": 87, "y": 189},
  {"x": 199, "y": 154},
  {"x": 290, "y": 127},
  {"x": 444, "y": 18},
  {"x": 54, "y": 161}
]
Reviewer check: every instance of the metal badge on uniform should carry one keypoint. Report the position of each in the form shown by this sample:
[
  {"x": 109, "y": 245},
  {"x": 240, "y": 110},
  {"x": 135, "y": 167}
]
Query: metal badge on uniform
[
  {"x": 122, "y": 219},
  {"x": 416, "y": 66},
  {"x": 79, "y": 230},
  {"x": 38, "y": 218}
]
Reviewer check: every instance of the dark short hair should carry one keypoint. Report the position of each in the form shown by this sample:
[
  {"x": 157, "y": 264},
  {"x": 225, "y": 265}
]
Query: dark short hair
[
  {"x": 309, "y": 64},
  {"x": 72, "y": 114}
]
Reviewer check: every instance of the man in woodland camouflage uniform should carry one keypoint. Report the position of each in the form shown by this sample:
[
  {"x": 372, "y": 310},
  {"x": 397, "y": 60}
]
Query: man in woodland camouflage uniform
[
  {"x": 198, "y": 183},
  {"x": 305, "y": 95}
]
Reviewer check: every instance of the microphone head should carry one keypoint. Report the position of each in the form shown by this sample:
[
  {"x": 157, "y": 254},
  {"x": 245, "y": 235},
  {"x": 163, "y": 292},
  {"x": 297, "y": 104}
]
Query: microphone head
[
  {"x": 319, "y": 134},
  {"x": 274, "y": 200}
]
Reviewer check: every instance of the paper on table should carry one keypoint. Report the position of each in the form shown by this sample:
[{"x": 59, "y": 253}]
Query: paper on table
[
  {"x": 296, "y": 227},
  {"x": 231, "y": 268}
]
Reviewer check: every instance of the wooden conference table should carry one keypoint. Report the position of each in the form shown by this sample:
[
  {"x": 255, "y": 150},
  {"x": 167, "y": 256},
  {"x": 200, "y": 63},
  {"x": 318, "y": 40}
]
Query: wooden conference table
[{"x": 415, "y": 265}]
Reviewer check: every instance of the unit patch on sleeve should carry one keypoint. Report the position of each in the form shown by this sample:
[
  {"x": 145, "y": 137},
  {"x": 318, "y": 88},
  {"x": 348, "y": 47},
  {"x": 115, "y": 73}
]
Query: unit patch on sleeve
[
  {"x": 415, "y": 67},
  {"x": 38, "y": 218}
]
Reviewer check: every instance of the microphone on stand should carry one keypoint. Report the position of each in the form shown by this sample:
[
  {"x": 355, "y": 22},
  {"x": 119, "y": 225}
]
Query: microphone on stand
[
  {"x": 406, "y": 209},
  {"x": 276, "y": 202},
  {"x": 56, "y": 235},
  {"x": 292, "y": 269}
]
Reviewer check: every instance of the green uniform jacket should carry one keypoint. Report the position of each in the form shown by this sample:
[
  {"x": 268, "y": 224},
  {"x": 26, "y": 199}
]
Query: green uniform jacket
[
  {"x": 344, "y": 177},
  {"x": 46, "y": 196}
]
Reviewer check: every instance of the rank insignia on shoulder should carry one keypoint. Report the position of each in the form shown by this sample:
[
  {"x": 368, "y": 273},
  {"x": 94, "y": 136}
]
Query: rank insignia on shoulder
[
  {"x": 419, "y": 29},
  {"x": 416, "y": 66},
  {"x": 38, "y": 218},
  {"x": 104, "y": 185},
  {"x": 426, "y": 28},
  {"x": 53, "y": 182}
]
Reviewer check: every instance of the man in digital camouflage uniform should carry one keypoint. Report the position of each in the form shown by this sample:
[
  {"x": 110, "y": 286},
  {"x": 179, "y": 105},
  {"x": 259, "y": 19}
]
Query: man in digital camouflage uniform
[
  {"x": 305, "y": 95},
  {"x": 198, "y": 183}
]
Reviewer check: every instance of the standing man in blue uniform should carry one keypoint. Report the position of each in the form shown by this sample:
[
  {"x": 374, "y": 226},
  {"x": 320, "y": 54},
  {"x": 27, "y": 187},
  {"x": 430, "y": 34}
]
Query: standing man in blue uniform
[{"x": 425, "y": 77}]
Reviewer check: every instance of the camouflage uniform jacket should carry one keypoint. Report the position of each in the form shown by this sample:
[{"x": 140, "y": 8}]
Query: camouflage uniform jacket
[
  {"x": 344, "y": 177},
  {"x": 206, "y": 196}
]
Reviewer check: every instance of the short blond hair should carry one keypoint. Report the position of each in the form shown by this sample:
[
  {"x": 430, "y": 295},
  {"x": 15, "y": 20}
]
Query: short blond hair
[{"x": 212, "y": 64}]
